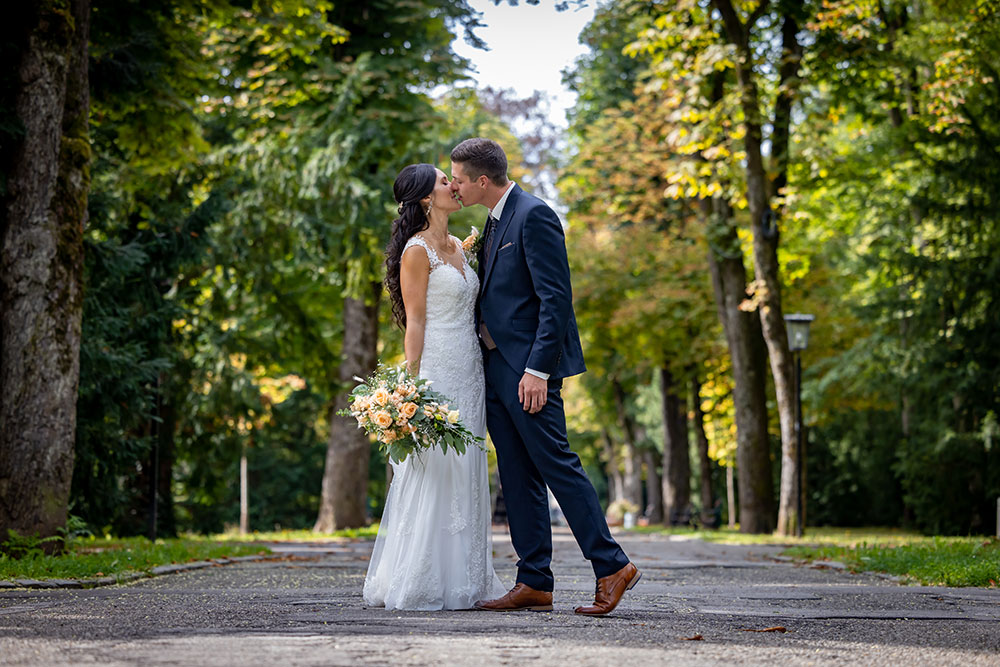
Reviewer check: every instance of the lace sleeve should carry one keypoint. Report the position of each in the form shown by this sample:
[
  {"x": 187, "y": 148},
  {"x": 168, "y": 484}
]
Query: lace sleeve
[{"x": 432, "y": 256}]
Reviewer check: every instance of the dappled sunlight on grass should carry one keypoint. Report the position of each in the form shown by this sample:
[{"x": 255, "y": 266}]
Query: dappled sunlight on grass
[
  {"x": 816, "y": 536},
  {"x": 365, "y": 532},
  {"x": 946, "y": 561}
]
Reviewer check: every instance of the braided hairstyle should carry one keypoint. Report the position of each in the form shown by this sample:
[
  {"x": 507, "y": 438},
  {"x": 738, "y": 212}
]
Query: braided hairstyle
[{"x": 413, "y": 183}]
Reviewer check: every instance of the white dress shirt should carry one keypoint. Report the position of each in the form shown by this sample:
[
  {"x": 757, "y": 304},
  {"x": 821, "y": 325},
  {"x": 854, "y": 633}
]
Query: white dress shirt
[{"x": 496, "y": 212}]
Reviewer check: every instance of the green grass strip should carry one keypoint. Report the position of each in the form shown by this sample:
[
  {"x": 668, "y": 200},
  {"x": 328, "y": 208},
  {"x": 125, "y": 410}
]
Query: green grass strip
[
  {"x": 364, "y": 533},
  {"x": 87, "y": 558},
  {"x": 947, "y": 561},
  {"x": 936, "y": 561},
  {"x": 813, "y": 536}
]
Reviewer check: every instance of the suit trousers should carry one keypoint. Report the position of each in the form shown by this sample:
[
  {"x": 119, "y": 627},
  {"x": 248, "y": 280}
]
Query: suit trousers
[{"x": 532, "y": 453}]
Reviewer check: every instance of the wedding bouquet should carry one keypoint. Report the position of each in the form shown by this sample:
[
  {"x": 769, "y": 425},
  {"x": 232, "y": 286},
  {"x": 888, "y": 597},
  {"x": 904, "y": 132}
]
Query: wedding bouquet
[
  {"x": 471, "y": 245},
  {"x": 405, "y": 416}
]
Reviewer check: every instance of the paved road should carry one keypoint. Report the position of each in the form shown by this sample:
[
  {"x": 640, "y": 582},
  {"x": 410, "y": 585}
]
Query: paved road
[{"x": 307, "y": 610}]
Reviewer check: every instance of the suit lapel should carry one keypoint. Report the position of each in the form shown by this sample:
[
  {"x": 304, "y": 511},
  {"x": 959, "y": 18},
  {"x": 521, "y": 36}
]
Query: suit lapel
[{"x": 508, "y": 212}]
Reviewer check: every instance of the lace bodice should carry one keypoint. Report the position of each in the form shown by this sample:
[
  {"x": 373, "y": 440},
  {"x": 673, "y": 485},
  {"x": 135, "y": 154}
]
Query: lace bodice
[
  {"x": 451, "y": 294},
  {"x": 451, "y": 358}
]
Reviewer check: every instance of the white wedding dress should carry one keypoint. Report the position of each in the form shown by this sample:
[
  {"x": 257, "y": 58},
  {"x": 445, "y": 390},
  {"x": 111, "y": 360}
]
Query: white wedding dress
[{"x": 434, "y": 546}]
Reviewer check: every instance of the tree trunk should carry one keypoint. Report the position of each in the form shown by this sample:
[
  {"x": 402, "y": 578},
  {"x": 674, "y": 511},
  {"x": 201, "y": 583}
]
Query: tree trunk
[
  {"x": 244, "y": 494},
  {"x": 765, "y": 243},
  {"x": 41, "y": 261},
  {"x": 654, "y": 495},
  {"x": 676, "y": 457},
  {"x": 616, "y": 483},
  {"x": 704, "y": 463},
  {"x": 632, "y": 480},
  {"x": 166, "y": 519},
  {"x": 731, "y": 497},
  {"x": 747, "y": 352},
  {"x": 343, "y": 503}
]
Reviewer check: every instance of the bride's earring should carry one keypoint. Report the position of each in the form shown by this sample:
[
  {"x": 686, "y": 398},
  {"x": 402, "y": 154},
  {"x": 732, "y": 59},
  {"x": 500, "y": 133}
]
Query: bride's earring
[{"x": 427, "y": 211}]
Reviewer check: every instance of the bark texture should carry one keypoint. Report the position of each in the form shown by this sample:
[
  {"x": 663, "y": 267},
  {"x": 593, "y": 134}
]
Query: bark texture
[
  {"x": 41, "y": 262},
  {"x": 616, "y": 482},
  {"x": 654, "y": 490},
  {"x": 748, "y": 354},
  {"x": 632, "y": 479},
  {"x": 708, "y": 517},
  {"x": 676, "y": 457},
  {"x": 344, "y": 499}
]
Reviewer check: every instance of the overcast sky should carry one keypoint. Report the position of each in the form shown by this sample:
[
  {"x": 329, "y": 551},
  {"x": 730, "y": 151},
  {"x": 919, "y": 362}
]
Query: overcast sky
[{"x": 529, "y": 45}]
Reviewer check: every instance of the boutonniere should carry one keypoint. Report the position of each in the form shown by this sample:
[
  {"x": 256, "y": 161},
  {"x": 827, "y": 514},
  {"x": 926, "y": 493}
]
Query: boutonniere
[{"x": 472, "y": 244}]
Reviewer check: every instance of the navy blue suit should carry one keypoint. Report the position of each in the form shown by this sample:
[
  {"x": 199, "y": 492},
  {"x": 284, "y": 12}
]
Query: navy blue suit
[{"x": 526, "y": 302}]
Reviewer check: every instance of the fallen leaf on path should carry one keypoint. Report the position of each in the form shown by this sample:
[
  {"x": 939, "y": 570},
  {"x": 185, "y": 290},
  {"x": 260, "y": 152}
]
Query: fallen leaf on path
[
  {"x": 695, "y": 638},
  {"x": 293, "y": 557},
  {"x": 777, "y": 628}
]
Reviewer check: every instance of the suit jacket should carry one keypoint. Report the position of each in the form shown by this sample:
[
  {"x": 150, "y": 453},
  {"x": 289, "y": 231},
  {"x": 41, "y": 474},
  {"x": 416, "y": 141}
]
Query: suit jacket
[{"x": 525, "y": 295}]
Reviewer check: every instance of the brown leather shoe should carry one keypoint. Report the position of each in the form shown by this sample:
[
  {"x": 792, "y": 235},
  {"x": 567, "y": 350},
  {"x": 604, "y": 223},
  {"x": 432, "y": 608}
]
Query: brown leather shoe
[
  {"x": 610, "y": 590},
  {"x": 519, "y": 598}
]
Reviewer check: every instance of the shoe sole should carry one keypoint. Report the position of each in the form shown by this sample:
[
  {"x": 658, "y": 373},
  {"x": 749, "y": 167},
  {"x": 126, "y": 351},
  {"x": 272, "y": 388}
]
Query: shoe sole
[
  {"x": 630, "y": 586},
  {"x": 543, "y": 607}
]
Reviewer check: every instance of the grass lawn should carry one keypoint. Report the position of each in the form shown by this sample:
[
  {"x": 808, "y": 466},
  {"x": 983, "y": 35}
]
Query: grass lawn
[
  {"x": 945, "y": 561},
  {"x": 365, "y": 533},
  {"x": 89, "y": 557}
]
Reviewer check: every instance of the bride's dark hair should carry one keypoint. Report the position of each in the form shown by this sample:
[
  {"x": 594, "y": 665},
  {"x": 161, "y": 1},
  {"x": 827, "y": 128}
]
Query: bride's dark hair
[{"x": 413, "y": 183}]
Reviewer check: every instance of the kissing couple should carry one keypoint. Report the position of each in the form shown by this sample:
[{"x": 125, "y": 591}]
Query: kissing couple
[{"x": 498, "y": 342}]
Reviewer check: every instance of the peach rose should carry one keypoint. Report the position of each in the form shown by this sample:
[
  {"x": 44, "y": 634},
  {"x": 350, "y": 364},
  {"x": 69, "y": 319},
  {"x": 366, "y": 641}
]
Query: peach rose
[
  {"x": 470, "y": 240},
  {"x": 381, "y": 396},
  {"x": 383, "y": 419},
  {"x": 408, "y": 410}
]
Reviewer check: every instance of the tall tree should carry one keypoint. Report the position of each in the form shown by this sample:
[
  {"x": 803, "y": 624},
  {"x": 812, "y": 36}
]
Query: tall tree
[
  {"x": 748, "y": 41},
  {"x": 46, "y": 178},
  {"x": 690, "y": 108}
]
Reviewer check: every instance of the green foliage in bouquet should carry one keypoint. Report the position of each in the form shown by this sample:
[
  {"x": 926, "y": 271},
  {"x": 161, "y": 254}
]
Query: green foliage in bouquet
[{"x": 405, "y": 415}]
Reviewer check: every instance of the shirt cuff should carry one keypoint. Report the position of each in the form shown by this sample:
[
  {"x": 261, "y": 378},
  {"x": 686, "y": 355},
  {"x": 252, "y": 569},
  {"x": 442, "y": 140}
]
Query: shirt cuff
[{"x": 544, "y": 376}]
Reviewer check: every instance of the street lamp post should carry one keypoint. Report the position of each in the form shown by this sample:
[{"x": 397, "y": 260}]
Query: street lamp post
[{"x": 798, "y": 340}]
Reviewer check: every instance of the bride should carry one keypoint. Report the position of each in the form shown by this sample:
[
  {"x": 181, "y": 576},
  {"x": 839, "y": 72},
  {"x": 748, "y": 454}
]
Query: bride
[{"x": 434, "y": 546}]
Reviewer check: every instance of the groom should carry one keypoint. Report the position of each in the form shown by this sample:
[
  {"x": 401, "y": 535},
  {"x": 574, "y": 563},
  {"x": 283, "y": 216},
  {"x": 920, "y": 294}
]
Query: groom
[{"x": 528, "y": 332}]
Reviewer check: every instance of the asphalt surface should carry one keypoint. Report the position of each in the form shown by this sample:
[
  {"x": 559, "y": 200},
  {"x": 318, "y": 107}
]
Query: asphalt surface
[{"x": 697, "y": 604}]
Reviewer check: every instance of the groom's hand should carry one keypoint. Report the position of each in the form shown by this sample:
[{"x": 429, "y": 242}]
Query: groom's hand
[{"x": 532, "y": 391}]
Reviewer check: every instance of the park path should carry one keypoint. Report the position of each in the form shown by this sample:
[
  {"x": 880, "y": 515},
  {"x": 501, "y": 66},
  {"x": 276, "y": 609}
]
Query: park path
[{"x": 306, "y": 609}]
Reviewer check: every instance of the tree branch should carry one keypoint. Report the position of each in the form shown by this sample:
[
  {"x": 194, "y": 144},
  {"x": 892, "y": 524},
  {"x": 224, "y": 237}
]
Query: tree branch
[{"x": 734, "y": 28}]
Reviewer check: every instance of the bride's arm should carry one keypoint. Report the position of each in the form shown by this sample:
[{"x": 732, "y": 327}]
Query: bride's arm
[{"x": 414, "y": 269}]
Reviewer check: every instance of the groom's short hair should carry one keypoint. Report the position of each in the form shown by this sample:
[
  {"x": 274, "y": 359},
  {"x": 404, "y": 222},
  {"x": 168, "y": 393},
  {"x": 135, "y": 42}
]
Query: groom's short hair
[{"x": 481, "y": 157}]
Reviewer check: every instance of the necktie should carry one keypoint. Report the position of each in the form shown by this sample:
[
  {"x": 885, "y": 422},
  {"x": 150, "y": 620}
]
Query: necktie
[{"x": 491, "y": 227}]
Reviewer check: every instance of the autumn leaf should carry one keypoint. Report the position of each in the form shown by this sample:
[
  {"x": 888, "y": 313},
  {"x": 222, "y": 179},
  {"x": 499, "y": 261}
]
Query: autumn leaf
[{"x": 777, "y": 628}]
